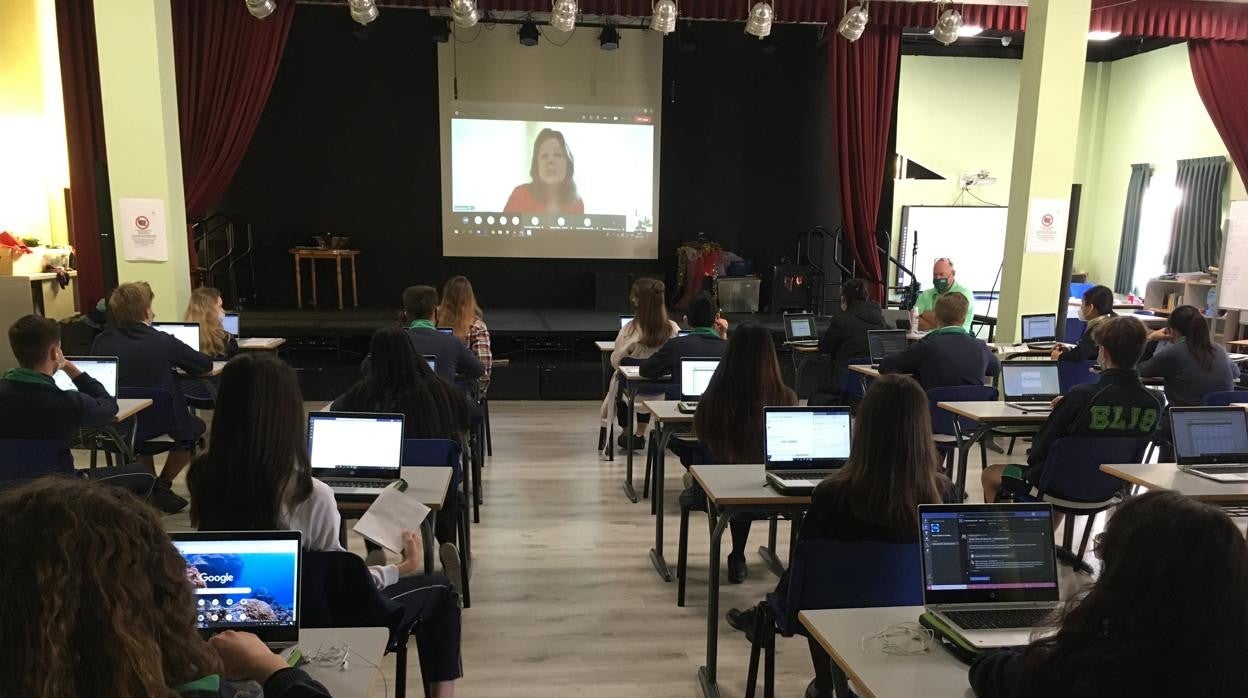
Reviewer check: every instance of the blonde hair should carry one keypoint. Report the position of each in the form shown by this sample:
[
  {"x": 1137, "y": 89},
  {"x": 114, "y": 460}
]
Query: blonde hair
[
  {"x": 459, "y": 307},
  {"x": 203, "y": 309},
  {"x": 648, "y": 298},
  {"x": 129, "y": 303}
]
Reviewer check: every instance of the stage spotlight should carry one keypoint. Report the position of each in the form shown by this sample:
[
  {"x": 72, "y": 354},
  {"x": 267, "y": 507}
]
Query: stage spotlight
[
  {"x": 759, "y": 23},
  {"x": 465, "y": 13},
  {"x": 261, "y": 8},
  {"x": 363, "y": 11},
  {"x": 563, "y": 15},
  {"x": 663, "y": 17},
  {"x": 853, "y": 23},
  {"x": 528, "y": 33},
  {"x": 440, "y": 29},
  {"x": 948, "y": 26},
  {"x": 609, "y": 38}
]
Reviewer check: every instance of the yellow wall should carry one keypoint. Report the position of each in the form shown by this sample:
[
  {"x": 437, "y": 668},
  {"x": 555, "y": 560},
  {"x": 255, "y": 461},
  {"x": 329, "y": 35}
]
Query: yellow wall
[{"x": 35, "y": 170}]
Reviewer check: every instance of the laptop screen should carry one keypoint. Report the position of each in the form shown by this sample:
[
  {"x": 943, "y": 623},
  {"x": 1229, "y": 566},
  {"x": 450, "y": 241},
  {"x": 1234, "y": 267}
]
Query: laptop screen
[
  {"x": 1209, "y": 434},
  {"x": 1030, "y": 380},
  {"x": 624, "y": 320},
  {"x": 800, "y": 326},
  {"x": 432, "y": 360},
  {"x": 186, "y": 332},
  {"x": 1039, "y": 328},
  {"x": 447, "y": 330},
  {"x": 981, "y": 553},
  {"x": 244, "y": 581},
  {"x": 695, "y": 375},
  {"x": 101, "y": 368},
  {"x": 885, "y": 343},
  {"x": 355, "y": 443},
  {"x": 805, "y": 437},
  {"x": 230, "y": 323}
]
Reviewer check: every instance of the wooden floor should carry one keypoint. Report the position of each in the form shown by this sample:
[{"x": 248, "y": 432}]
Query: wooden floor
[{"x": 565, "y": 601}]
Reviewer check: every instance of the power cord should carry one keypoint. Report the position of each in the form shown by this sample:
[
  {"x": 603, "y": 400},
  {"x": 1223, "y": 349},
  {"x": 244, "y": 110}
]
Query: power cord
[
  {"x": 335, "y": 652},
  {"x": 901, "y": 640}
]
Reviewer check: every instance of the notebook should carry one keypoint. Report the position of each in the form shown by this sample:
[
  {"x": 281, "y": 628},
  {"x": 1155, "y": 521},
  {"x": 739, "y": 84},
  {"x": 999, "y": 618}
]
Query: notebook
[
  {"x": 230, "y": 323},
  {"x": 1211, "y": 442},
  {"x": 186, "y": 332},
  {"x": 245, "y": 580},
  {"x": 355, "y": 453},
  {"x": 803, "y": 445},
  {"x": 695, "y": 376},
  {"x": 799, "y": 328},
  {"x": 1039, "y": 331},
  {"x": 1030, "y": 386},
  {"x": 885, "y": 343},
  {"x": 101, "y": 368},
  {"x": 989, "y": 570}
]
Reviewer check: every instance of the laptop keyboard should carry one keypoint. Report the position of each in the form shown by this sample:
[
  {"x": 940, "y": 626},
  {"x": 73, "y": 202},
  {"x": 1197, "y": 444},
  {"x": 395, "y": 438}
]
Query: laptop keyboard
[
  {"x": 356, "y": 482},
  {"x": 803, "y": 475},
  {"x": 1222, "y": 469},
  {"x": 1000, "y": 618}
]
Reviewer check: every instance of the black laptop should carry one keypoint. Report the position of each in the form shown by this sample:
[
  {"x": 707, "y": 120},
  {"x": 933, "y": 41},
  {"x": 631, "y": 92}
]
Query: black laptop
[
  {"x": 884, "y": 343},
  {"x": 1039, "y": 331},
  {"x": 803, "y": 445}
]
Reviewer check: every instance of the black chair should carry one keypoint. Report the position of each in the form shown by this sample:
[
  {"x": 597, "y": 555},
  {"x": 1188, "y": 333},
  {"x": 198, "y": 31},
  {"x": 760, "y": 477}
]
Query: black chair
[
  {"x": 445, "y": 453},
  {"x": 943, "y": 420}
]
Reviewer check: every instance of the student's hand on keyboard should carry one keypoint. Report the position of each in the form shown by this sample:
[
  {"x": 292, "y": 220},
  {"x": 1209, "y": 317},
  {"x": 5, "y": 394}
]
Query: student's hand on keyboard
[
  {"x": 413, "y": 554},
  {"x": 1054, "y": 401},
  {"x": 1057, "y": 352},
  {"x": 245, "y": 656}
]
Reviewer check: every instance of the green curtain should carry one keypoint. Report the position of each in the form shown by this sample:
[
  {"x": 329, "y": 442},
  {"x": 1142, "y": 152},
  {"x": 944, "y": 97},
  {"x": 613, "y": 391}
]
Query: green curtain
[
  {"x": 1196, "y": 239},
  {"x": 1140, "y": 176}
]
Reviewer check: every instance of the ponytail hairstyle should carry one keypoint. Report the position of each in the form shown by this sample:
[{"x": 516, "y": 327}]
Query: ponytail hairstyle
[
  {"x": 1188, "y": 323},
  {"x": 649, "y": 299},
  {"x": 853, "y": 291}
]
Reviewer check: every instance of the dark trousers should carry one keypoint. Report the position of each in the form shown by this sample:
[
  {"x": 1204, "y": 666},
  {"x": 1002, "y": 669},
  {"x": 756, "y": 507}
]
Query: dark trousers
[
  {"x": 695, "y": 499},
  {"x": 431, "y": 604}
]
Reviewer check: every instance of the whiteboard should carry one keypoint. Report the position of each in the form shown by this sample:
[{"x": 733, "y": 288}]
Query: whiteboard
[
  {"x": 1233, "y": 272},
  {"x": 972, "y": 236}
]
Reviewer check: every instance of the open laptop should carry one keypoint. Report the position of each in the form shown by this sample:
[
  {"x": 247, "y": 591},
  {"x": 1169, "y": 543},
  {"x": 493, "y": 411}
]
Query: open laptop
[
  {"x": 447, "y": 330},
  {"x": 245, "y": 580},
  {"x": 695, "y": 375},
  {"x": 230, "y": 323},
  {"x": 803, "y": 445},
  {"x": 186, "y": 332},
  {"x": 432, "y": 360},
  {"x": 799, "y": 329},
  {"x": 1211, "y": 442},
  {"x": 355, "y": 453},
  {"x": 624, "y": 320},
  {"x": 989, "y": 570},
  {"x": 1039, "y": 331},
  {"x": 885, "y": 343},
  {"x": 1030, "y": 386},
  {"x": 101, "y": 368}
]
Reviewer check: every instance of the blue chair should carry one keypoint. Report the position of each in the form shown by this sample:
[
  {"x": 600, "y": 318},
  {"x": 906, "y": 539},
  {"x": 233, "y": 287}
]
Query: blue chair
[
  {"x": 445, "y": 453},
  {"x": 833, "y": 574},
  {"x": 1072, "y": 373},
  {"x": 852, "y": 387},
  {"x": 1224, "y": 398},
  {"x": 1077, "y": 289},
  {"x": 28, "y": 459},
  {"x": 943, "y": 421},
  {"x": 1074, "y": 330},
  {"x": 1074, "y": 484}
]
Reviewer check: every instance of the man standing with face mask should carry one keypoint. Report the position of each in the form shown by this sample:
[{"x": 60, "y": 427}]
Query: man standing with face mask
[{"x": 943, "y": 281}]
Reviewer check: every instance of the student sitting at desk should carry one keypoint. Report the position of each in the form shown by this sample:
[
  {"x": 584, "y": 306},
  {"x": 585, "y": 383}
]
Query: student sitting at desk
[
  {"x": 460, "y": 312},
  {"x": 1118, "y": 405},
  {"x": 644, "y": 335},
  {"x": 94, "y": 602},
  {"x": 420, "y": 308},
  {"x": 256, "y": 476},
  {"x": 892, "y": 469},
  {"x": 707, "y": 331},
  {"x": 947, "y": 355},
  {"x": 207, "y": 309},
  {"x": 943, "y": 283},
  {"x": 1097, "y": 307},
  {"x": 1191, "y": 364},
  {"x": 1168, "y": 615},
  {"x": 846, "y": 337},
  {"x": 147, "y": 358}
]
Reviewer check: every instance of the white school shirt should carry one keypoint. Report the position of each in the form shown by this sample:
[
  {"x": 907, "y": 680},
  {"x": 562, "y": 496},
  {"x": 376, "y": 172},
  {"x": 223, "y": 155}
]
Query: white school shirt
[{"x": 317, "y": 518}]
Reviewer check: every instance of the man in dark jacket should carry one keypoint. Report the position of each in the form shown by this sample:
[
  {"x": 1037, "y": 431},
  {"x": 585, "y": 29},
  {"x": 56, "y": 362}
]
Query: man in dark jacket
[
  {"x": 948, "y": 355},
  {"x": 1116, "y": 406},
  {"x": 453, "y": 357},
  {"x": 846, "y": 337},
  {"x": 707, "y": 331}
]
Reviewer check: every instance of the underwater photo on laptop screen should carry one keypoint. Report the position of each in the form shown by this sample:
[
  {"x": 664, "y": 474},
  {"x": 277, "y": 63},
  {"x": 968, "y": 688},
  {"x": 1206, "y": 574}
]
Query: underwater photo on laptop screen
[
  {"x": 102, "y": 369},
  {"x": 339, "y": 439},
  {"x": 1209, "y": 432},
  {"x": 243, "y": 582},
  {"x": 805, "y": 435},
  {"x": 1023, "y": 380}
]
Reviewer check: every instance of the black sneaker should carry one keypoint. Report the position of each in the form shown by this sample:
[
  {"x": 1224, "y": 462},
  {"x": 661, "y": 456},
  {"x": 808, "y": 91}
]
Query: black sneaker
[
  {"x": 737, "y": 571},
  {"x": 744, "y": 621},
  {"x": 639, "y": 442},
  {"x": 165, "y": 500},
  {"x": 812, "y": 691}
]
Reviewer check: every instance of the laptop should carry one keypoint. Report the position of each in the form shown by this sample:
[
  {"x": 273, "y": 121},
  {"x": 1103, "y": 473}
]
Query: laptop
[
  {"x": 101, "y": 368},
  {"x": 624, "y": 320},
  {"x": 432, "y": 360},
  {"x": 799, "y": 329},
  {"x": 230, "y": 323},
  {"x": 186, "y": 332},
  {"x": 245, "y": 580},
  {"x": 695, "y": 375},
  {"x": 803, "y": 445},
  {"x": 447, "y": 330},
  {"x": 1030, "y": 386},
  {"x": 1211, "y": 442},
  {"x": 989, "y": 570},
  {"x": 885, "y": 343},
  {"x": 355, "y": 453},
  {"x": 1039, "y": 331}
]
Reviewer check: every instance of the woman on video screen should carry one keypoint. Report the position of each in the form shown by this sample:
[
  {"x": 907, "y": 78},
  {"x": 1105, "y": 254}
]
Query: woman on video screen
[{"x": 552, "y": 189}]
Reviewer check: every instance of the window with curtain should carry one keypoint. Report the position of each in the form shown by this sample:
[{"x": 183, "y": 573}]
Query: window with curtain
[
  {"x": 1141, "y": 174},
  {"x": 1161, "y": 198},
  {"x": 1196, "y": 235}
]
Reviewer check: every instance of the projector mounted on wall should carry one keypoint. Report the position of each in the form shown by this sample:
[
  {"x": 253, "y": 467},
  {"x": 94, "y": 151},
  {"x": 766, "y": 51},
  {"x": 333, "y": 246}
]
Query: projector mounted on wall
[{"x": 978, "y": 179}]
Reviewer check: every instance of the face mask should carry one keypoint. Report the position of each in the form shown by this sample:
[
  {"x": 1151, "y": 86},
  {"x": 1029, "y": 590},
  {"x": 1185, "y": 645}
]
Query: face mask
[{"x": 942, "y": 285}]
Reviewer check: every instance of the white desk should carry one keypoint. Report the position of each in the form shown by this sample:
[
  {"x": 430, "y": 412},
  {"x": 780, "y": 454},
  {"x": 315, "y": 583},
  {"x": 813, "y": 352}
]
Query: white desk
[
  {"x": 217, "y": 368},
  {"x": 988, "y": 414},
  {"x": 667, "y": 420},
  {"x": 367, "y": 647},
  {"x": 128, "y": 407},
  {"x": 1167, "y": 476},
  {"x": 260, "y": 343}
]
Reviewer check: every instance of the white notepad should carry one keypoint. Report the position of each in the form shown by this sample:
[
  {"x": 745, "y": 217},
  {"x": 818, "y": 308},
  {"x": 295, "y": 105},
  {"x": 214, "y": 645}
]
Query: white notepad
[{"x": 392, "y": 513}]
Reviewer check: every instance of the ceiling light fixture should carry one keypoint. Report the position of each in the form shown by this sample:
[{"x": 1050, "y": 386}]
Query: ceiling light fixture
[
  {"x": 363, "y": 11},
  {"x": 663, "y": 16},
  {"x": 528, "y": 33},
  {"x": 1102, "y": 35},
  {"x": 609, "y": 38},
  {"x": 948, "y": 24},
  {"x": 970, "y": 30},
  {"x": 465, "y": 13},
  {"x": 853, "y": 23},
  {"x": 759, "y": 22},
  {"x": 563, "y": 15},
  {"x": 261, "y": 8}
]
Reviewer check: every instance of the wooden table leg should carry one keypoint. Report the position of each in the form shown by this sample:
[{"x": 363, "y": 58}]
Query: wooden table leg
[
  {"x": 312, "y": 261},
  {"x": 338, "y": 263},
  {"x": 298, "y": 281},
  {"x": 355, "y": 294}
]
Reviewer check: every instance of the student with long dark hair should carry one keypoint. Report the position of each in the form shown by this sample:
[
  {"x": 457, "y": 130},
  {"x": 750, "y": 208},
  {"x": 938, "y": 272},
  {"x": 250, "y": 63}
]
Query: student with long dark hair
[
  {"x": 255, "y": 476},
  {"x": 846, "y": 337},
  {"x": 729, "y": 420},
  {"x": 1168, "y": 615},
  {"x": 875, "y": 496}
]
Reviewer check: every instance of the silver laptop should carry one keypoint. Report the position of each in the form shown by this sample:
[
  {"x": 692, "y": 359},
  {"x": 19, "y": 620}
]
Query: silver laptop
[
  {"x": 884, "y": 343},
  {"x": 799, "y": 329},
  {"x": 245, "y": 580},
  {"x": 101, "y": 368},
  {"x": 356, "y": 453},
  {"x": 1030, "y": 386},
  {"x": 989, "y": 570},
  {"x": 1211, "y": 442},
  {"x": 186, "y": 332},
  {"x": 624, "y": 320},
  {"x": 695, "y": 376},
  {"x": 1039, "y": 331},
  {"x": 804, "y": 445},
  {"x": 229, "y": 323}
]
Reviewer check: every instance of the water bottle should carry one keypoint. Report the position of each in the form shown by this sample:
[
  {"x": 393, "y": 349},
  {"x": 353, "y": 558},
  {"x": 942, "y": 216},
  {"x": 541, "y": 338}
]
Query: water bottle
[{"x": 1211, "y": 299}]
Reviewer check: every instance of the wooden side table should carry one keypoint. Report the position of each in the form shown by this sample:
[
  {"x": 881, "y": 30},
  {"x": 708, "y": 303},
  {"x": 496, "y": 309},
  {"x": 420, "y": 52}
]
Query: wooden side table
[{"x": 314, "y": 253}]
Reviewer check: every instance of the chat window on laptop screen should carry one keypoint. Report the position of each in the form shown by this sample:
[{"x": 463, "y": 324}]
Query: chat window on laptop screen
[
  {"x": 362, "y": 443},
  {"x": 696, "y": 376},
  {"x": 1037, "y": 327},
  {"x": 988, "y": 550},
  {"x": 798, "y": 437},
  {"x": 1205, "y": 434},
  {"x": 1025, "y": 380},
  {"x": 243, "y": 582}
]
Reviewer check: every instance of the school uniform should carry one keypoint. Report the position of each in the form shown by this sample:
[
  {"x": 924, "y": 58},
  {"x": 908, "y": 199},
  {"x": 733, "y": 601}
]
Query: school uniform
[
  {"x": 452, "y": 355},
  {"x": 1187, "y": 382},
  {"x": 846, "y": 337},
  {"x": 945, "y": 357},
  {"x": 34, "y": 407},
  {"x": 1087, "y": 349},
  {"x": 700, "y": 343}
]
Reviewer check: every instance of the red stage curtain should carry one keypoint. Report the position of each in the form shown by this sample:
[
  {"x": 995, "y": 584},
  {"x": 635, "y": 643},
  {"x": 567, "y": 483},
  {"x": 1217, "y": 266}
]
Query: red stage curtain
[
  {"x": 863, "y": 78},
  {"x": 226, "y": 63},
  {"x": 1220, "y": 69},
  {"x": 84, "y": 136}
]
